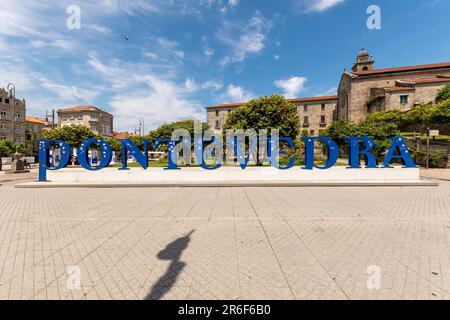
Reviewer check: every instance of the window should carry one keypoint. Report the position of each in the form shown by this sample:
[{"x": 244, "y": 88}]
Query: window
[
  {"x": 217, "y": 126},
  {"x": 305, "y": 108},
  {"x": 7, "y": 101},
  {"x": 306, "y": 121},
  {"x": 321, "y": 132},
  {"x": 1, "y": 99},
  {"x": 17, "y": 115},
  {"x": 312, "y": 133},
  {"x": 217, "y": 113},
  {"x": 94, "y": 116},
  {"x": 322, "y": 107},
  {"x": 94, "y": 128},
  {"x": 17, "y": 127},
  {"x": 3, "y": 126},
  {"x": 2, "y": 138},
  {"x": 403, "y": 99},
  {"x": 17, "y": 139},
  {"x": 3, "y": 113},
  {"x": 323, "y": 119}
]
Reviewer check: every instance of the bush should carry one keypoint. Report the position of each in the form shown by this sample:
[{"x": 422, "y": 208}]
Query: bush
[
  {"x": 443, "y": 94},
  {"x": 436, "y": 159}
]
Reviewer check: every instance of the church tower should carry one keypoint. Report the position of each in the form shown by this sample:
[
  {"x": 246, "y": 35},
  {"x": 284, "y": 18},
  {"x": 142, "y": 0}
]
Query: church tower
[{"x": 364, "y": 62}]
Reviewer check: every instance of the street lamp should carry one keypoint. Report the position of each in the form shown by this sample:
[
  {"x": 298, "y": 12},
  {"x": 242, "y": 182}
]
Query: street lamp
[
  {"x": 141, "y": 126},
  {"x": 12, "y": 95}
]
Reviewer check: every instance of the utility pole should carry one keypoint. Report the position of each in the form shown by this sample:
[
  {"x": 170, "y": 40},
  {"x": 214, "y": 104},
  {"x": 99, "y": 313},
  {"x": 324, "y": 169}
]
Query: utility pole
[
  {"x": 428, "y": 148},
  {"x": 53, "y": 118},
  {"x": 12, "y": 94}
]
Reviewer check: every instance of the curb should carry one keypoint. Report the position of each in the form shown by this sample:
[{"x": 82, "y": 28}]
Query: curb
[{"x": 50, "y": 185}]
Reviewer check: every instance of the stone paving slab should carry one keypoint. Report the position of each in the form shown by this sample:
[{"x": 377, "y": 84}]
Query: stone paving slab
[{"x": 225, "y": 243}]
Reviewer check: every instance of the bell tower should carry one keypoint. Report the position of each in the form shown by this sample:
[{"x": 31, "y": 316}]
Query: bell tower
[{"x": 364, "y": 62}]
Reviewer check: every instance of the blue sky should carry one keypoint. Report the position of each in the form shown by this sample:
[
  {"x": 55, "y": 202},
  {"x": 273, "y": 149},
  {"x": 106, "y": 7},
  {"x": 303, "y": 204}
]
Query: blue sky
[{"x": 184, "y": 55}]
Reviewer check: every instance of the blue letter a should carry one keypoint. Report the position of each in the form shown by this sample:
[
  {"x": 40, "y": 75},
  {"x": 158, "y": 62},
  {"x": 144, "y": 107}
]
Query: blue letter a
[{"x": 398, "y": 144}]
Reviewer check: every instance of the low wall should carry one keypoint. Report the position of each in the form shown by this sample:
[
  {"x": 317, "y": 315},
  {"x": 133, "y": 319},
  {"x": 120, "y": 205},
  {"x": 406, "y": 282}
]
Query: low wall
[{"x": 231, "y": 174}]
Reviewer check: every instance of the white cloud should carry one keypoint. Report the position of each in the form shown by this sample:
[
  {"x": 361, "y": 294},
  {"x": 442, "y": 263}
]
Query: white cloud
[
  {"x": 59, "y": 44},
  {"x": 291, "y": 87},
  {"x": 244, "y": 40},
  {"x": 97, "y": 28},
  {"x": 317, "y": 5},
  {"x": 69, "y": 93},
  {"x": 193, "y": 86},
  {"x": 149, "y": 94},
  {"x": 233, "y": 3},
  {"x": 328, "y": 92},
  {"x": 236, "y": 94}
]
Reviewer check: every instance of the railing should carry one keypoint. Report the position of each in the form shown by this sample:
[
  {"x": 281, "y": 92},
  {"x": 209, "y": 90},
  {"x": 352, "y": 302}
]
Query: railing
[
  {"x": 4, "y": 117},
  {"x": 5, "y": 130}
]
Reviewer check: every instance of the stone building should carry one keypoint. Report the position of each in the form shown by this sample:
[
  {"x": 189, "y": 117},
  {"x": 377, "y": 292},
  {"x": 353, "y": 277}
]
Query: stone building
[
  {"x": 315, "y": 113},
  {"x": 361, "y": 91},
  {"x": 97, "y": 120},
  {"x": 365, "y": 89},
  {"x": 34, "y": 127},
  {"x": 12, "y": 118}
]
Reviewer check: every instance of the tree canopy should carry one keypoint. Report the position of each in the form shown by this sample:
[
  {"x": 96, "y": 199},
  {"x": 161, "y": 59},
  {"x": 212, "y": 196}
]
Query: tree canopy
[
  {"x": 72, "y": 135},
  {"x": 443, "y": 94},
  {"x": 268, "y": 113},
  {"x": 165, "y": 131}
]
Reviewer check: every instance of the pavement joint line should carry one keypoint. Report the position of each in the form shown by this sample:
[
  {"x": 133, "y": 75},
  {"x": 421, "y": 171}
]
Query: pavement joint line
[
  {"x": 270, "y": 244},
  {"x": 313, "y": 255}
]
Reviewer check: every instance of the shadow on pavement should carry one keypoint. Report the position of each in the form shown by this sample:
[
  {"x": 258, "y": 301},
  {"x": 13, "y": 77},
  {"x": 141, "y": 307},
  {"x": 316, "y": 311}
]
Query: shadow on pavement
[{"x": 172, "y": 252}]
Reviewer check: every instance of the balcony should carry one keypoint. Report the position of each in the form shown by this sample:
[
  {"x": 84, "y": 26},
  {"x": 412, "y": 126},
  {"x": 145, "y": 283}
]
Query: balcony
[
  {"x": 323, "y": 124},
  {"x": 5, "y": 130},
  {"x": 4, "y": 117},
  {"x": 305, "y": 125}
]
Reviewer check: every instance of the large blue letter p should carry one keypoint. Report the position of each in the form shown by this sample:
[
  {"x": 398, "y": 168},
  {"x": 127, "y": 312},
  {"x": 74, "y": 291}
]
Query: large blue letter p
[{"x": 44, "y": 152}]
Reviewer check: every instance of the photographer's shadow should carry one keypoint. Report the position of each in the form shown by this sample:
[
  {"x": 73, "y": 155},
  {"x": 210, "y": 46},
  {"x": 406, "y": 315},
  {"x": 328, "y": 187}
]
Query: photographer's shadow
[{"x": 172, "y": 253}]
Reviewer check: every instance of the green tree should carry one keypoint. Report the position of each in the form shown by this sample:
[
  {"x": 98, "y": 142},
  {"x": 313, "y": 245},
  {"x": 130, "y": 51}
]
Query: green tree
[
  {"x": 443, "y": 94},
  {"x": 165, "y": 131},
  {"x": 381, "y": 132},
  {"x": 266, "y": 113},
  {"x": 6, "y": 149},
  {"x": 72, "y": 135}
]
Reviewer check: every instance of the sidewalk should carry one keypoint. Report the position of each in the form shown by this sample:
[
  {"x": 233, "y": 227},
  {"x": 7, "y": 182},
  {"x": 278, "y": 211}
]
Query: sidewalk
[
  {"x": 33, "y": 175},
  {"x": 439, "y": 174}
]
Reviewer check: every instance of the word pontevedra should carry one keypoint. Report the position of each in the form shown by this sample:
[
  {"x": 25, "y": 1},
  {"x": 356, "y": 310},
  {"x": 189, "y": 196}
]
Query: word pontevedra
[{"x": 358, "y": 147}]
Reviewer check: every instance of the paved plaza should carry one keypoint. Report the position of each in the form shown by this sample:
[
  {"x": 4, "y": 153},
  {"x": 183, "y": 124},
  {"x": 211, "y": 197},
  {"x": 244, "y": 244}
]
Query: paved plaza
[{"x": 225, "y": 243}]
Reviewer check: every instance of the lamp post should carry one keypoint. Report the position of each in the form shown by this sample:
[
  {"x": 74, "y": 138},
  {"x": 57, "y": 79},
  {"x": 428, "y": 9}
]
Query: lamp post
[
  {"x": 53, "y": 118},
  {"x": 12, "y": 95},
  {"x": 141, "y": 126}
]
